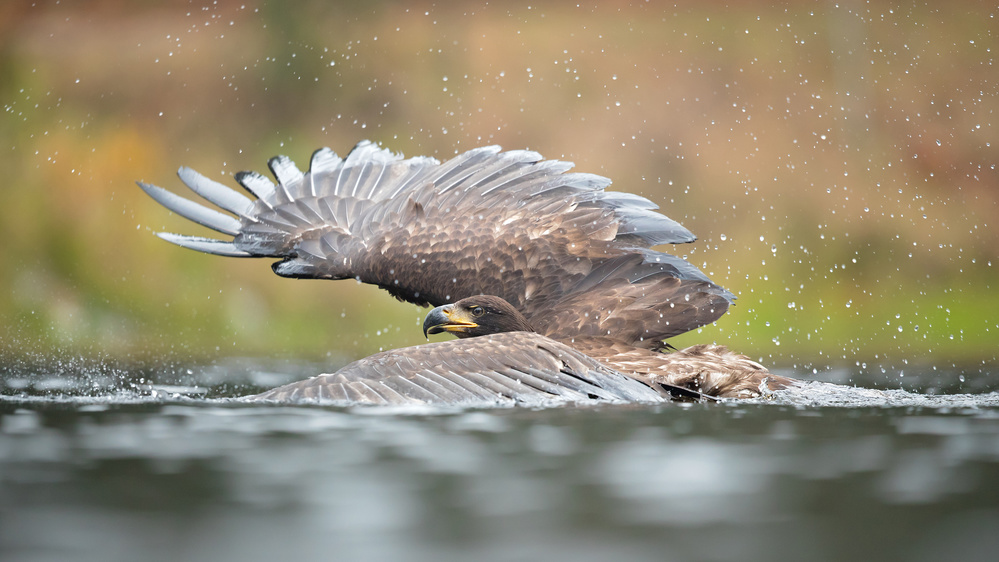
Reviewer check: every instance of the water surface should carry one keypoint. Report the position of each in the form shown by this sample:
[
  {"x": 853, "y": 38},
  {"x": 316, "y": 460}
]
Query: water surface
[{"x": 111, "y": 464}]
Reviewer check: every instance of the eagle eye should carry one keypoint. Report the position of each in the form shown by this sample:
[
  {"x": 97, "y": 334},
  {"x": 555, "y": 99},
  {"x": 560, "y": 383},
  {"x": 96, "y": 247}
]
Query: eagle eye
[{"x": 478, "y": 311}]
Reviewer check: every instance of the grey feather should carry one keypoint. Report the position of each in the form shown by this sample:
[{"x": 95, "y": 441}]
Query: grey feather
[
  {"x": 258, "y": 185},
  {"x": 216, "y": 193},
  {"x": 323, "y": 161},
  {"x": 192, "y": 211},
  {"x": 206, "y": 245},
  {"x": 288, "y": 175},
  {"x": 652, "y": 227}
]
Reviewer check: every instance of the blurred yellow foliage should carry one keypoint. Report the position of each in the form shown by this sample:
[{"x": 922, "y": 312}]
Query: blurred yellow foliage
[{"x": 837, "y": 161}]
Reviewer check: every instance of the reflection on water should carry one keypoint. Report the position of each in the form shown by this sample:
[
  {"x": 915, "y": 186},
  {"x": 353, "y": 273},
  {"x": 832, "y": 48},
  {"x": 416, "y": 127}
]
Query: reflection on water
[{"x": 162, "y": 472}]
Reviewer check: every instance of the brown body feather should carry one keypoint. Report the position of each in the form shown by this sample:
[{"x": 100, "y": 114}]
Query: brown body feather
[{"x": 711, "y": 369}]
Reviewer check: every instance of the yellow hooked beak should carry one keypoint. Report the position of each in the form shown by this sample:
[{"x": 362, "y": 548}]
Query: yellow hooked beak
[{"x": 446, "y": 319}]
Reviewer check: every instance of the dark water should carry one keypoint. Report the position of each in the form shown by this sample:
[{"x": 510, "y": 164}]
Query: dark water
[{"x": 105, "y": 464}]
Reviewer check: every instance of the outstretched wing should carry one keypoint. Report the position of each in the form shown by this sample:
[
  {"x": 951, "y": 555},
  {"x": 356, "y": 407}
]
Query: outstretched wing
[
  {"x": 500, "y": 369},
  {"x": 485, "y": 222}
]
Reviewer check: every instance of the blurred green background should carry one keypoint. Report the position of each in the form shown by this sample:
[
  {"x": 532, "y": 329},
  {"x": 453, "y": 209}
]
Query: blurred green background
[{"x": 837, "y": 160}]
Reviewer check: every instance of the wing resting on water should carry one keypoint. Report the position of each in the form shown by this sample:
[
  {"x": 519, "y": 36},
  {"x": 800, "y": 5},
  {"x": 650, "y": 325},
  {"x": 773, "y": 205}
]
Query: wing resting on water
[{"x": 510, "y": 368}]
